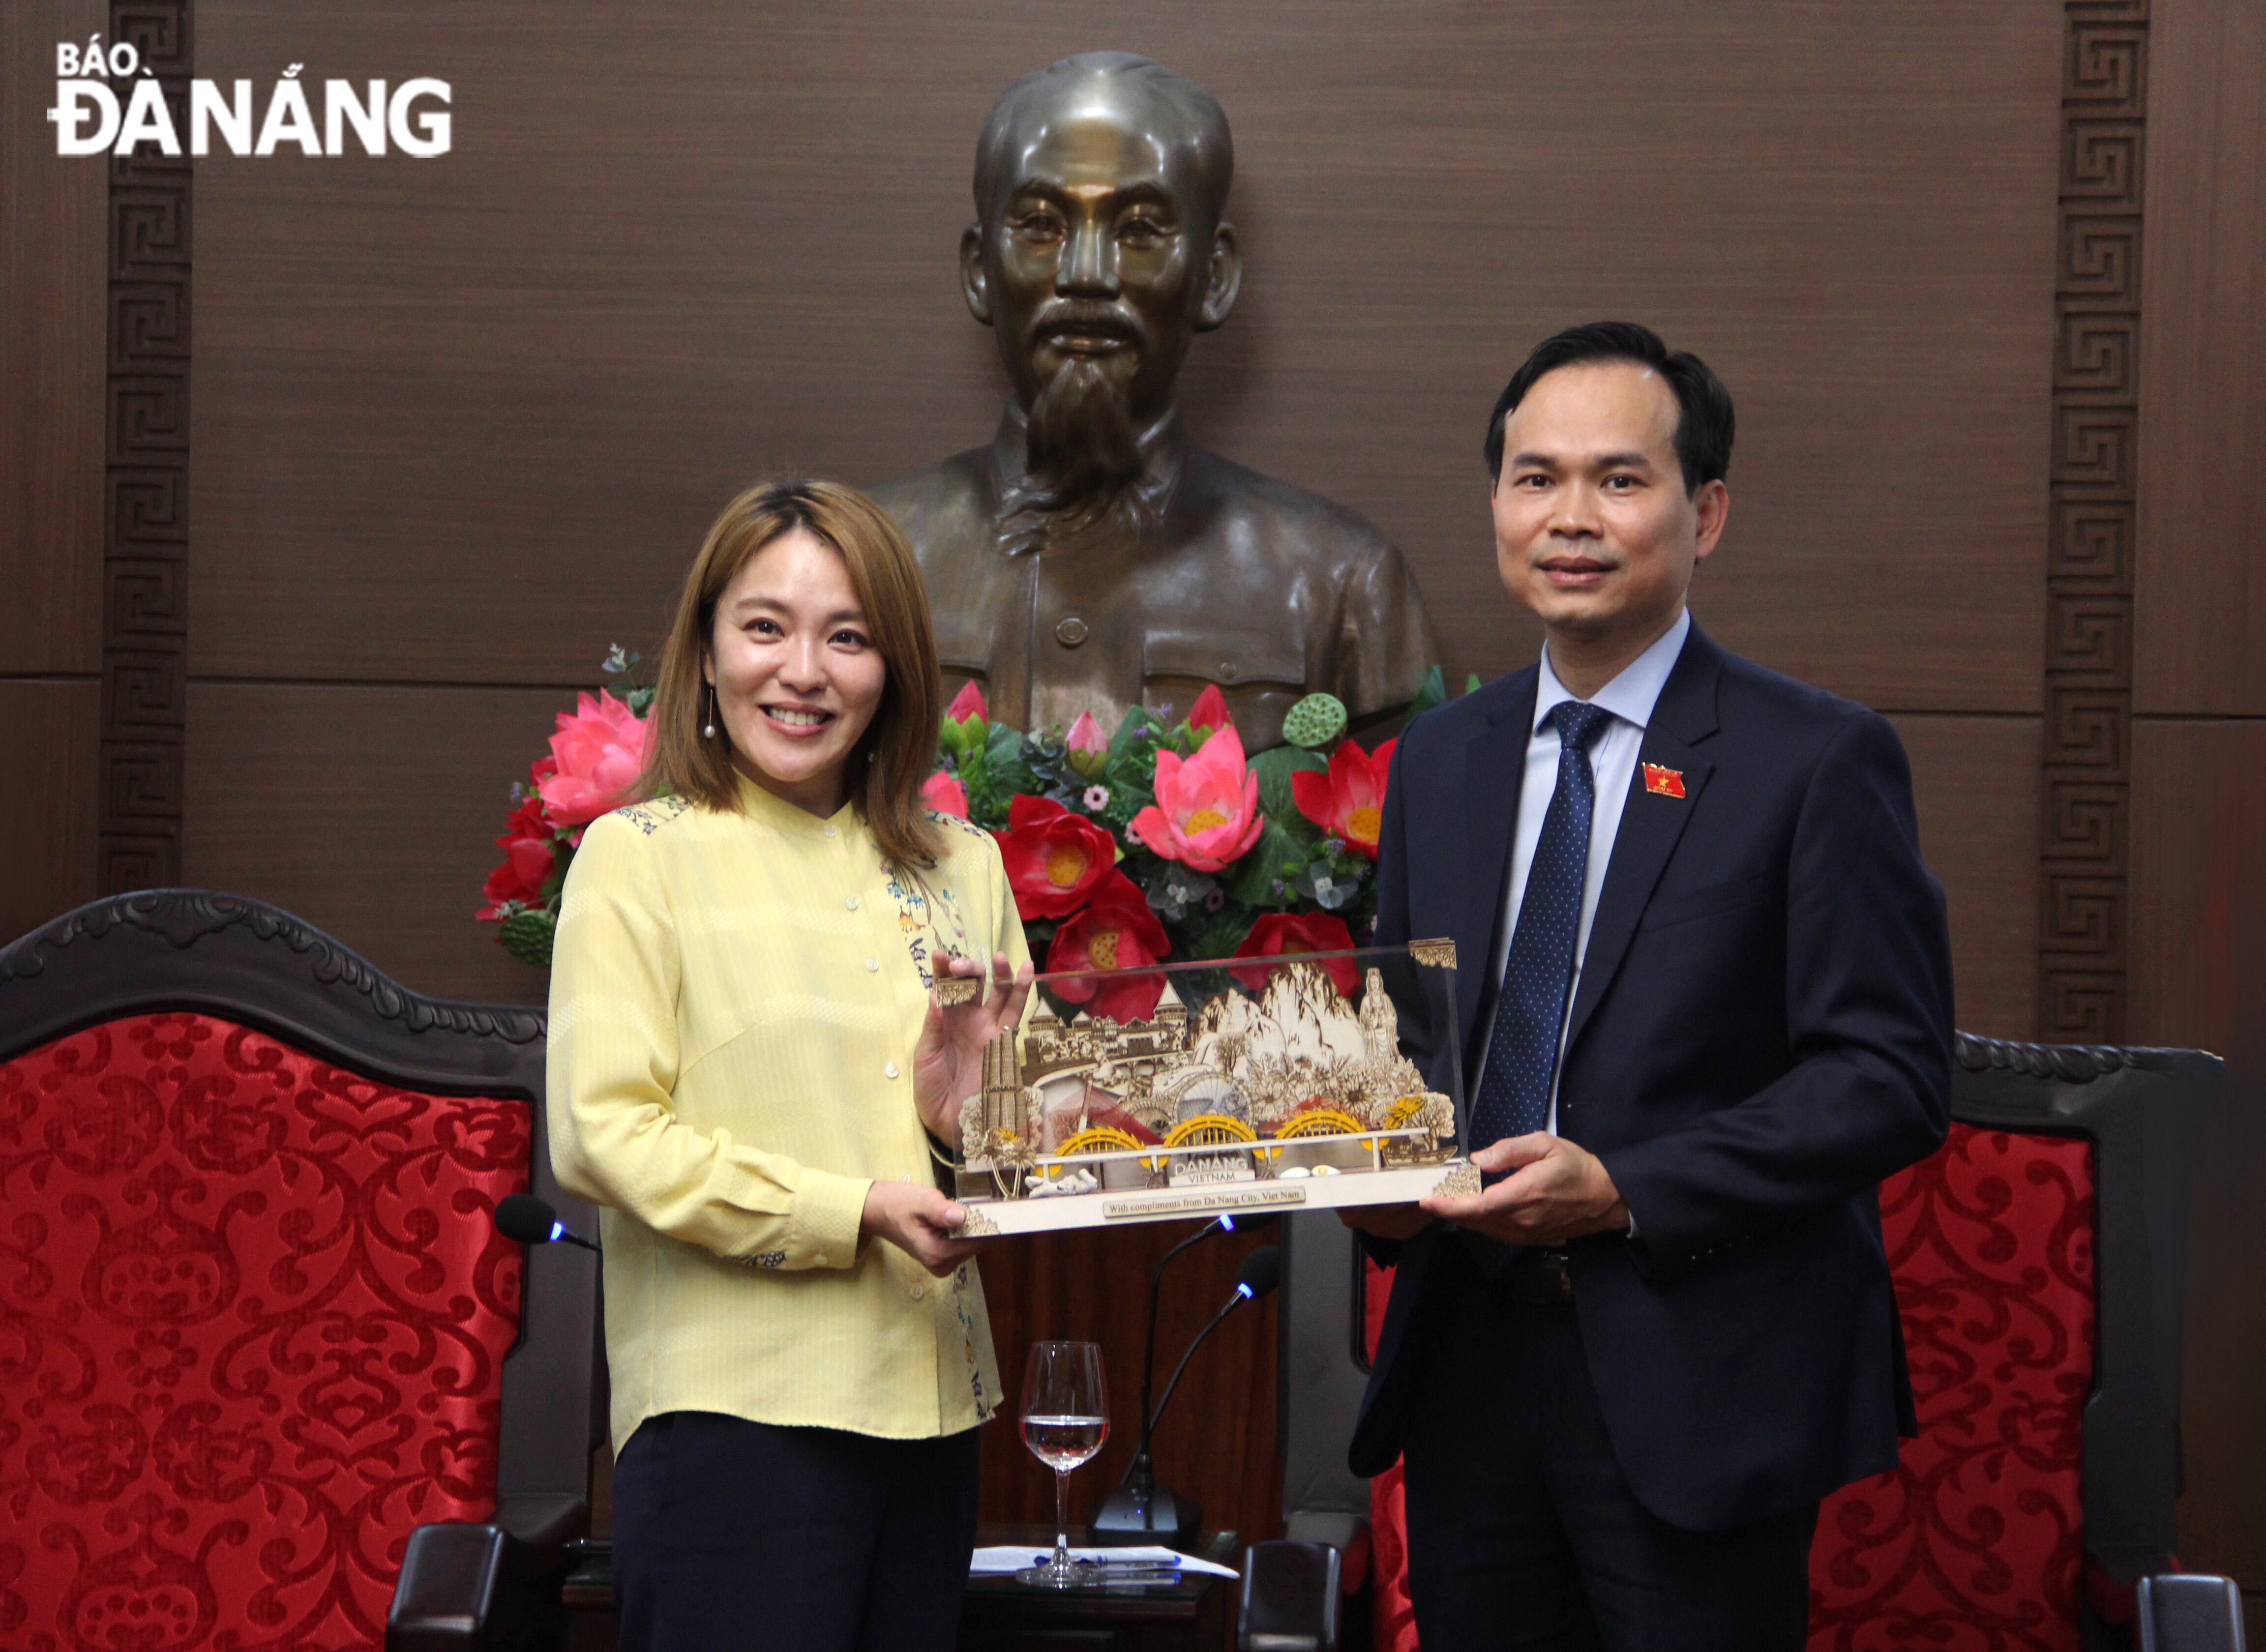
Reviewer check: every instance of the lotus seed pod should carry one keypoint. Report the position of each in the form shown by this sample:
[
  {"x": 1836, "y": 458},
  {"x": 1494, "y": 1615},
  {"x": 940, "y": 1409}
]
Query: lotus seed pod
[
  {"x": 527, "y": 937},
  {"x": 1315, "y": 721}
]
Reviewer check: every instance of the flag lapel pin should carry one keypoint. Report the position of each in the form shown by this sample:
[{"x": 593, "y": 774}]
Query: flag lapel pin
[{"x": 1665, "y": 782}]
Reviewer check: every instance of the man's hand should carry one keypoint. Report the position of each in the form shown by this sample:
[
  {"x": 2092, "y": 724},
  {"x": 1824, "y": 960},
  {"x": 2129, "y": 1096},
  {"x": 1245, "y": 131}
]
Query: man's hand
[
  {"x": 1557, "y": 1190},
  {"x": 919, "y": 1221},
  {"x": 1386, "y": 1221},
  {"x": 948, "y": 1061}
]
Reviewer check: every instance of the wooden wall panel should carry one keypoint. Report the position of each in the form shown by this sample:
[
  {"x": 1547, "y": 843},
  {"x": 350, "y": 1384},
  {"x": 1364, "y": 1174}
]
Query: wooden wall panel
[
  {"x": 51, "y": 479},
  {"x": 2198, "y": 909},
  {"x": 2199, "y": 822},
  {"x": 2199, "y": 979},
  {"x": 2201, "y": 568},
  {"x": 47, "y": 806},
  {"x": 370, "y": 812},
  {"x": 52, "y": 260},
  {"x": 52, "y": 225},
  {"x": 488, "y": 402},
  {"x": 1975, "y": 781}
]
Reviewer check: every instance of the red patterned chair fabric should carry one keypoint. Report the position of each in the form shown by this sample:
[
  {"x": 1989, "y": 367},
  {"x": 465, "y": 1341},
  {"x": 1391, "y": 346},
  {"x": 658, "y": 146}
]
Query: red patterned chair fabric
[
  {"x": 252, "y": 1319},
  {"x": 1974, "y": 1543},
  {"x": 1392, "y": 1620}
]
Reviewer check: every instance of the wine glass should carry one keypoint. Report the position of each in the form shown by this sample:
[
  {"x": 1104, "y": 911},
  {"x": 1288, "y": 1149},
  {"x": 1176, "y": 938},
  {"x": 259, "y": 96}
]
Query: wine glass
[{"x": 1066, "y": 1420}]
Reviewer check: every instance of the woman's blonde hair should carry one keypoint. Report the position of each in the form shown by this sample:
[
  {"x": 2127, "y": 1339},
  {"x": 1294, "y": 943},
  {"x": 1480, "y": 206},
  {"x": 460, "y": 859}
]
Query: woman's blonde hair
[{"x": 898, "y": 750}]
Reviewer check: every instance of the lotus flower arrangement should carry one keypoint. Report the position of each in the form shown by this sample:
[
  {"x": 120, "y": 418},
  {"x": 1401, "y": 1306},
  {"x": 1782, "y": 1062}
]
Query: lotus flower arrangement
[
  {"x": 1161, "y": 841},
  {"x": 596, "y": 750},
  {"x": 1214, "y": 852}
]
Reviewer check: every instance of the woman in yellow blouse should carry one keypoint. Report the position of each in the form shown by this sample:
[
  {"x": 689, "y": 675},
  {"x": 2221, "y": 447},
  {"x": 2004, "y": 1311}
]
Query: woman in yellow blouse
[{"x": 748, "y": 1068}]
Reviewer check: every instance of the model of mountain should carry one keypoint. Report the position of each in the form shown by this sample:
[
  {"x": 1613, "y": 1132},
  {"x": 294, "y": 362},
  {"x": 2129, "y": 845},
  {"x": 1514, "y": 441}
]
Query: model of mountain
[{"x": 1299, "y": 1021}]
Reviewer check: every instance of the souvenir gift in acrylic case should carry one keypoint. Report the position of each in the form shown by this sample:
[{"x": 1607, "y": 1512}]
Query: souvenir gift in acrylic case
[{"x": 1292, "y": 1083}]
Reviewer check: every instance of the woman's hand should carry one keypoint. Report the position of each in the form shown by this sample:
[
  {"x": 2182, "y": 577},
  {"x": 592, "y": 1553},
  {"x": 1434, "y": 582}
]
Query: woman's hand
[
  {"x": 948, "y": 1061},
  {"x": 919, "y": 1221}
]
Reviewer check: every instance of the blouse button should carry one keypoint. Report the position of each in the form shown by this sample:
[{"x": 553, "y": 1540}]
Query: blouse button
[
  {"x": 850, "y": 901},
  {"x": 889, "y": 1071},
  {"x": 819, "y": 1257},
  {"x": 829, "y": 831},
  {"x": 873, "y": 963},
  {"x": 918, "y": 1293}
]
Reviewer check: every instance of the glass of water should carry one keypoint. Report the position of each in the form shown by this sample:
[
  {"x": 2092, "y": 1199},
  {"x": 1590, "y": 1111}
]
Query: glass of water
[{"x": 1066, "y": 1420}]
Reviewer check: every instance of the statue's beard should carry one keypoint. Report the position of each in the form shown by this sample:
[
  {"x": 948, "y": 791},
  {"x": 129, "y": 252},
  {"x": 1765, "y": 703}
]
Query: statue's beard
[{"x": 1082, "y": 458}]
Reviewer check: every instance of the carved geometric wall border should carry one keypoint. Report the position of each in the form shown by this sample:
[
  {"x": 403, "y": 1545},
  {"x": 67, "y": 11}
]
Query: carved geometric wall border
[
  {"x": 2084, "y": 894},
  {"x": 145, "y": 541}
]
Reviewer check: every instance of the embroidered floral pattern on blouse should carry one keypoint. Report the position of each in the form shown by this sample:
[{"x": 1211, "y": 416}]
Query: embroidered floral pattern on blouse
[
  {"x": 968, "y": 1343},
  {"x": 766, "y": 1259},
  {"x": 654, "y": 813},
  {"x": 915, "y": 919}
]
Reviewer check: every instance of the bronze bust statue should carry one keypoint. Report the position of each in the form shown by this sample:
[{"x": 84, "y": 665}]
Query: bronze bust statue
[{"x": 1091, "y": 557}]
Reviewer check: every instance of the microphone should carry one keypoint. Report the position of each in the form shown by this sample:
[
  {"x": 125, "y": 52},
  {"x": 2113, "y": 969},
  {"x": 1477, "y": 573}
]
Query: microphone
[
  {"x": 531, "y": 1221},
  {"x": 1140, "y": 1510},
  {"x": 1224, "y": 1223}
]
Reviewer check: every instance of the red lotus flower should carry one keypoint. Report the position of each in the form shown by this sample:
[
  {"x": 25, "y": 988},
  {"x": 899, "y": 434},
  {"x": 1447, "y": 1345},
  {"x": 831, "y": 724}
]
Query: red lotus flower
[
  {"x": 1209, "y": 715},
  {"x": 1289, "y": 933},
  {"x": 1349, "y": 801},
  {"x": 1207, "y": 809},
  {"x": 944, "y": 793},
  {"x": 599, "y": 749},
  {"x": 527, "y": 860},
  {"x": 1054, "y": 859},
  {"x": 1116, "y": 931}
]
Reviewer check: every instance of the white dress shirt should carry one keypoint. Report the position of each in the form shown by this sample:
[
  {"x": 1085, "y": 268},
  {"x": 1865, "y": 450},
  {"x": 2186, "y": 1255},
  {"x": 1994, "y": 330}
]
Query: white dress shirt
[{"x": 1630, "y": 697}]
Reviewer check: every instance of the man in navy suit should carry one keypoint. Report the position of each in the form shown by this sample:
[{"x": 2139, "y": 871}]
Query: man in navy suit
[{"x": 1705, "y": 1000}]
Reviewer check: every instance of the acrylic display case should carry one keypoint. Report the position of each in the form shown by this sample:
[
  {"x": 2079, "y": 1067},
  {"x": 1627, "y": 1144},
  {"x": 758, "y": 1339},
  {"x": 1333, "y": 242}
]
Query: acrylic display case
[{"x": 1304, "y": 1082}]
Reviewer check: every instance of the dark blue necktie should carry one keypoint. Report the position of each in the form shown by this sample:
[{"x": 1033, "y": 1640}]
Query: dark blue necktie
[{"x": 1530, "y": 1011}]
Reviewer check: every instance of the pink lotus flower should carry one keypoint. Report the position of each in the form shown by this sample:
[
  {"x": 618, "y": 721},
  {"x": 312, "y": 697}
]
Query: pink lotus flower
[
  {"x": 1209, "y": 712},
  {"x": 967, "y": 721},
  {"x": 598, "y": 751},
  {"x": 1088, "y": 748},
  {"x": 1207, "y": 809},
  {"x": 944, "y": 795}
]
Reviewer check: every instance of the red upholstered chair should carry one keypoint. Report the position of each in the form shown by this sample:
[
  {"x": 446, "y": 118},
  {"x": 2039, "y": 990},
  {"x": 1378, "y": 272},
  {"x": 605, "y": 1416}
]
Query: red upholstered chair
[
  {"x": 256, "y": 1325},
  {"x": 2039, "y": 1262}
]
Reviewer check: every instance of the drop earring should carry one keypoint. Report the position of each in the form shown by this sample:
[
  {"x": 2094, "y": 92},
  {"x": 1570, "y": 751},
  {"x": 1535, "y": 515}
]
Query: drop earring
[{"x": 709, "y": 731}]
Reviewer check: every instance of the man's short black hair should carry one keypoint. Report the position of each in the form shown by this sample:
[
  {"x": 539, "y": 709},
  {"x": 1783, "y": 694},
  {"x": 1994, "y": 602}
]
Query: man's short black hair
[{"x": 1703, "y": 424}]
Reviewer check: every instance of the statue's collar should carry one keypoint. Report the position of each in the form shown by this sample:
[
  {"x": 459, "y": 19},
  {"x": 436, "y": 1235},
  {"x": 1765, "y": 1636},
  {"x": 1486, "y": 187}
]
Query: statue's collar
[{"x": 1164, "y": 454}]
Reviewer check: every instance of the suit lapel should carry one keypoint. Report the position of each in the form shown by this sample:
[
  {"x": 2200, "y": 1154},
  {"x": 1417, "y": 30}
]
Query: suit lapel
[
  {"x": 1495, "y": 770},
  {"x": 1651, "y": 823}
]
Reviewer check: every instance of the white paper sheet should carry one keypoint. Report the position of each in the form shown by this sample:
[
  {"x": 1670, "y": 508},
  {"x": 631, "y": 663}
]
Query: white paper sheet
[{"x": 1014, "y": 1557}]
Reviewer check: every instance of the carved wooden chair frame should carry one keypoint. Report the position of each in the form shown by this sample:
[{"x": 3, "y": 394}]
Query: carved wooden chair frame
[{"x": 228, "y": 955}]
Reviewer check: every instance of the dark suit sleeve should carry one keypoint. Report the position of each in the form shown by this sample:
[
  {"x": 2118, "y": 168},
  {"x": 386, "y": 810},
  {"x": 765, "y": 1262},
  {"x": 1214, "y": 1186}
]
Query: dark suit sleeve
[{"x": 1869, "y": 1019}]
